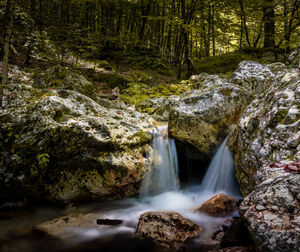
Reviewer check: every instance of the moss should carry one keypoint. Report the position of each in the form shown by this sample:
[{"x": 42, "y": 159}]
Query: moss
[
  {"x": 278, "y": 118},
  {"x": 140, "y": 137},
  {"x": 105, "y": 65},
  {"x": 226, "y": 91},
  {"x": 111, "y": 79},
  {"x": 226, "y": 63},
  {"x": 41, "y": 95},
  {"x": 140, "y": 92},
  {"x": 140, "y": 76}
]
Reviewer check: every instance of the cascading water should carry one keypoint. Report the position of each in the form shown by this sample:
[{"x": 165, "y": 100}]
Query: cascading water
[
  {"x": 163, "y": 176},
  {"x": 159, "y": 192},
  {"x": 220, "y": 175}
]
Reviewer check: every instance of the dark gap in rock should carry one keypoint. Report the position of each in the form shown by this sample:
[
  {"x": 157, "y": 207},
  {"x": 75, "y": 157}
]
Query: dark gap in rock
[{"x": 192, "y": 164}]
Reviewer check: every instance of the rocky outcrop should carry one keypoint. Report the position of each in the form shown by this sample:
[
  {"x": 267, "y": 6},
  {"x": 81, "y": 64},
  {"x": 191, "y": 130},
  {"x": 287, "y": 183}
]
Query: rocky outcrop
[
  {"x": 219, "y": 206},
  {"x": 159, "y": 108},
  {"x": 167, "y": 229},
  {"x": 268, "y": 132},
  {"x": 204, "y": 117},
  {"x": 59, "y": 77},
  {"x": 60, "y": 145},
  {"x": 252, "y": 76}
]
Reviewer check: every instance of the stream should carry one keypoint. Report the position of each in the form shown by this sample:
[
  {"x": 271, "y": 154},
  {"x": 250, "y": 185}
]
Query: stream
[{"x": 160, "y": 191}]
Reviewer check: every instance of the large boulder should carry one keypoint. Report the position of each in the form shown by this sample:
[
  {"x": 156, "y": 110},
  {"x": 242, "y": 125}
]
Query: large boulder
[
  {"x": 167, "y": 229},
  {"x": 253, "y": 76},
  {"x": 60, "y": 145},
  {"x": 219, "y": 205},
  {"x": 59, "y": 77},
  {"x": 268, "y": 132},
  {"x": 204, "y": 117}
]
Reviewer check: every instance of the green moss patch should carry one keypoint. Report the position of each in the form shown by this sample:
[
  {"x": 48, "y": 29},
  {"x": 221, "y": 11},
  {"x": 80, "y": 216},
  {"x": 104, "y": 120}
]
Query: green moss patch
[{"x": 139, "y": 92}]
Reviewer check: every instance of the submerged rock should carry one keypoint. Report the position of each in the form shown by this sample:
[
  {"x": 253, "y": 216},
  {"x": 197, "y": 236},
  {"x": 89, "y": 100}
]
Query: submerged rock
[
  {"x": 219, "y": 206},
  {"x": 167, "y": 229},
  {"x": 60, "y": 226},
  {"x": 62, "y": 146},
  {"x": 204, "y": 117},
  {"x": 268, "y": 132}
]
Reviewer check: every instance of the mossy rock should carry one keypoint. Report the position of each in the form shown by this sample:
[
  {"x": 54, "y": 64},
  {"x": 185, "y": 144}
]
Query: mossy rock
[
  {"x": 59, "y": 77},
  {"x": 61, "y": 146},
  {"x": 204, "y": 117}
]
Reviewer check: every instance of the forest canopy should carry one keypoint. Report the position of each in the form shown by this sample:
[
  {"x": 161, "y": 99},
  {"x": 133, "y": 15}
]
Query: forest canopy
[{"x": 181, "y": 31}]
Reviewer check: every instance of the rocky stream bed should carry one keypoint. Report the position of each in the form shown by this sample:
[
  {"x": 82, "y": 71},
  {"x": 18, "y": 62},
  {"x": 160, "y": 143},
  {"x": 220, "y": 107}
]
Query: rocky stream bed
[{"x": 62, "y": 144}]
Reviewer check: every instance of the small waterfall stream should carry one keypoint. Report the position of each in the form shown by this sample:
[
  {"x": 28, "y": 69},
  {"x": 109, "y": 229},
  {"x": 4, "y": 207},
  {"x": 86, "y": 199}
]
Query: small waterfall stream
[
  {"x": 220, "y": 176},
  {"x": 160, "y": 192},
  {"x": 164, "y": 174}
]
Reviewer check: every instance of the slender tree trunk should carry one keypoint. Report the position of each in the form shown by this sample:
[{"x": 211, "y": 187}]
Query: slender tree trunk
[
  {"x": 288, "y": 25},
  {"x": 259, "y": 33},
  {"x": 213, "y": 28},
  {"x": 244, "y": 23},
  {"x": 9, "y": 16},
  {"x": 241, "y": 33},
  {"x": 208, "y": 37},
  {"x": 145, "y": 12},
  {"x": 269, "y": 23}
]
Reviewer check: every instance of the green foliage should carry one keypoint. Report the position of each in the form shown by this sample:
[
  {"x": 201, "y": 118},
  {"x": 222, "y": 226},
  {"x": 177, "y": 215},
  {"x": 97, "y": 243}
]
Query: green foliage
[
  {"x": 111, "y": 79},
  {"x": 220, "y": 64},
  {"x": 43, "y": 160},
  {"x": 141, "y": 58},
  {"x": 104, "y": 65},
  {"x": 139, "y": 92},
  {"x": 140, "y": 77}
]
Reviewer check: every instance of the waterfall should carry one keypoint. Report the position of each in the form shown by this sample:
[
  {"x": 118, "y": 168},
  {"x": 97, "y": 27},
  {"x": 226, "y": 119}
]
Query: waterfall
[
  {"x": 220, "y": 175},
  {"x": 163, "y": 176}
]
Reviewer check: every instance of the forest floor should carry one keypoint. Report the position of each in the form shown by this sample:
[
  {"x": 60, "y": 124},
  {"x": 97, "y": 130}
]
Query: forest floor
[{"x": 138, "y": 75}]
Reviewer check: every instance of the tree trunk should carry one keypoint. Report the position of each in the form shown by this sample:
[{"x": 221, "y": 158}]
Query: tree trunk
[
  {"x": 213, "y": 28},
  {"x": 9, "y": 17},
  {"x": 288, "y": 24},
  {"x": 243, "y": 21},
  {"x": 145, "y": 12},
  {"x": 269, "y": 23}
]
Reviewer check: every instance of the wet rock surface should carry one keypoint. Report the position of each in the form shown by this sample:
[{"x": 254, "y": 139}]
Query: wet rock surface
[
  {"x": 59, "y": 145},
  {"x": 167, "y": 229},
  {"x": 58, "y": 228},
  {"x": 218, "y": 206}
]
